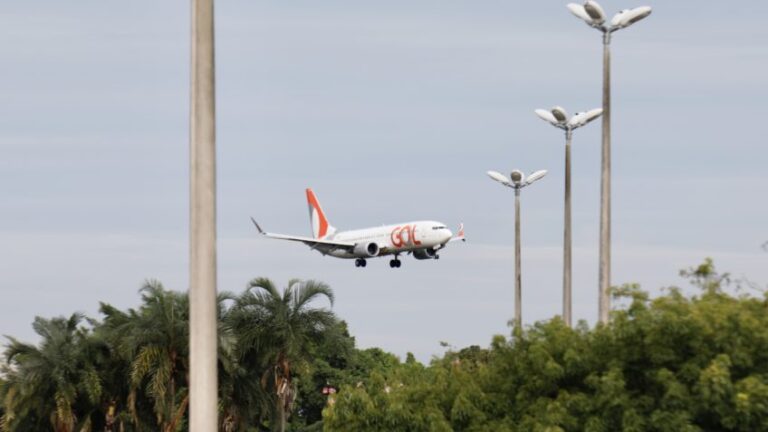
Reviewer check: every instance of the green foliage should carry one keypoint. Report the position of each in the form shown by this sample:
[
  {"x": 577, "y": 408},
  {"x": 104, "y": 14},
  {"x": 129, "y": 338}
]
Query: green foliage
[
  {"x": 53, "y": 385},
  {"x": 676, "y": 362},
  {"x": 129, "y": 372},
  {"x": 153, "y": 341},
  {"x": 673, "y": 363},
  {"x": 277, "y": 335}
]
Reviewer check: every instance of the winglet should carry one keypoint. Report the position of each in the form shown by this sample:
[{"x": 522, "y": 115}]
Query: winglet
[
  {"x": 460, "y": 234},
  {"x": 261, "y": 231}
]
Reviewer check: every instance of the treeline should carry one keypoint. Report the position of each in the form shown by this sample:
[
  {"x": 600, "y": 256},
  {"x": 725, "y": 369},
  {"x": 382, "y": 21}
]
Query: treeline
[
  {"x": 672, "y": 363},
  {"x": 128, "y": 370}
]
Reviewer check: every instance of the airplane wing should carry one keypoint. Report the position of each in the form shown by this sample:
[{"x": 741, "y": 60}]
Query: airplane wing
[
  {"x": 309, "y": 241},
  {"x": 459, "y": 235}
]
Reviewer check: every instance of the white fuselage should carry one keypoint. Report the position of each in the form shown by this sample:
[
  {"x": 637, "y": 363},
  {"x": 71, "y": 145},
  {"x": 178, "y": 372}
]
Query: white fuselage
[{"x": 393, "y": 239}]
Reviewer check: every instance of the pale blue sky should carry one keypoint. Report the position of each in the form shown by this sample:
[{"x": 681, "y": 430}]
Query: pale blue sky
[{"x": 391, "y": 111}]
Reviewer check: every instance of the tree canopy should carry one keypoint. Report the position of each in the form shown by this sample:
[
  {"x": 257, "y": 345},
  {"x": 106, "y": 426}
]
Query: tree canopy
[
  {"x": 686, "y": 360},
  {"x": 672, "y": 363}
]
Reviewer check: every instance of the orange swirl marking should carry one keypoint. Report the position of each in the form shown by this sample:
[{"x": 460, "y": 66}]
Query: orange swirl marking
[
  {"x": 405, "y": 235},
  {"x": 396, "y": 237},
  {"x": 413, "y": 236}
]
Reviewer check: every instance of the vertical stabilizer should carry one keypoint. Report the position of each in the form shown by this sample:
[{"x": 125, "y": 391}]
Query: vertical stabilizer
[{"x": 319, "y": 223}]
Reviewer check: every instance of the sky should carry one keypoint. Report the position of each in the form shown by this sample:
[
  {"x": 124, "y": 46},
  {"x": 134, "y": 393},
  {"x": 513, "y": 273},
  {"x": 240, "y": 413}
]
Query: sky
[{"x": 392, "y": 111}]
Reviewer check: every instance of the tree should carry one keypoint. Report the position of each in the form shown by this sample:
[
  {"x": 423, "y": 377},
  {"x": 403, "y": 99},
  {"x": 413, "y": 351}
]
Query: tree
[
  {"x": 54, "y": 383},
  {"x": 3, "y": 391},
  {"x": 275, "y": 333},
  {"x": 670, "y": 363},
  {"x": 155, "y": 341},
  {"x": 114, "y": 370},
  {"x": 333, "y": 356},
  {"x": 242, "y": 399}
]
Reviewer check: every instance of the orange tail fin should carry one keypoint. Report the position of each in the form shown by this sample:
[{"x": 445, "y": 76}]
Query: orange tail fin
[{"x": 320, "y": 226}]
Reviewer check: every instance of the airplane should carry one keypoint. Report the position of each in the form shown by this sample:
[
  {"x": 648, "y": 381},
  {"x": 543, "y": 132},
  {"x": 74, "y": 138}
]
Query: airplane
[{"x": 422, "y": 239}]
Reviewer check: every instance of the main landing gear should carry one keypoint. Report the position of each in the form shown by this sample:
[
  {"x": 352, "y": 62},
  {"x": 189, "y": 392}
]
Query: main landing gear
[{"x": 394, "y": 263}]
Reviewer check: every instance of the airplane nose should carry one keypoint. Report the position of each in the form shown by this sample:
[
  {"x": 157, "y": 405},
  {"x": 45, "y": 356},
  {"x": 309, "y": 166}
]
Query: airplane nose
[{"x": 447, "y": 236}]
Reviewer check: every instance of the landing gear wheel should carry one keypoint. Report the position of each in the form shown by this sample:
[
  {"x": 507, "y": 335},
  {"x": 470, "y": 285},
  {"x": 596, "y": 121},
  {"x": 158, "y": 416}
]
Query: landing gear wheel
[
  {"x": 360, "y": 262},
  {"x": 437, "y": 256},
  {"x": 363, "y": 262},
  {"x": 395, "y": 263}
]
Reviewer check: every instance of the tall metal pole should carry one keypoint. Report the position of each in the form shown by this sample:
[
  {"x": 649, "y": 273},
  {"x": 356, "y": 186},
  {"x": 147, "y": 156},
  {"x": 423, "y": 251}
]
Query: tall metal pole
[
  {"x": 567, "y": 233},
  {"x": 604, "y": 301},
  {"x": 203, "y": 388},
  {"x": 518, "y": 277}
]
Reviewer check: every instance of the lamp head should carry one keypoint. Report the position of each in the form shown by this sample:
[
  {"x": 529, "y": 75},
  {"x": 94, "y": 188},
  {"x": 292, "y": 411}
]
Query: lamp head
[
  {"x": 560, "y": 114},
  {"x": 547, "y": 116},
  {"x": 499, "y": 177},
  {"x": 535, "y": 176},
  {"x": 580, "y": 12},
  {"x": 517, "y": 177},
  {"x": 582, "y": 118},
  {"x": 628, "y": 17},
  {"x": 595, "y": 12}
]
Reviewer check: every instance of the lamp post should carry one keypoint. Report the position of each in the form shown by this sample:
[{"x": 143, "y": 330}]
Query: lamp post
[
  {"x": 517, "y": 181},
  {"x": 558, "y": 118},
  {"x": 203, "y": 387},
  {"x": 592, "y": 14}
]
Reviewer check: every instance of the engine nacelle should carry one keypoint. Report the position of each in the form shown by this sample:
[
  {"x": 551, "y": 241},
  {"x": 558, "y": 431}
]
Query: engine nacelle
[
  {"x": 366, "y": 250},
  {"x": 423, "y": 254}
]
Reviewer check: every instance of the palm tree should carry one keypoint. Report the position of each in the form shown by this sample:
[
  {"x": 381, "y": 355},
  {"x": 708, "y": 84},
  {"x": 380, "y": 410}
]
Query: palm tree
[
  {"x": 112, "y": 369},
  {"x": 54, "y": 382},
  {"x": 155, "y": 340},
  {"x": 274, "y": 334},
  {"x": 241, "y": 397}
]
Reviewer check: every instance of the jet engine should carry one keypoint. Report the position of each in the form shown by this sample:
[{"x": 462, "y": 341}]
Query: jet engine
[
  {"x": 423, "y": 254},
  {"x": 366, "y": 250}
]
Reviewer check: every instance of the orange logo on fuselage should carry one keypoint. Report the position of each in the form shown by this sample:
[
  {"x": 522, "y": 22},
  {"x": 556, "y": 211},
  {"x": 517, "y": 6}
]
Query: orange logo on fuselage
[{"x": 403, "y": 236}]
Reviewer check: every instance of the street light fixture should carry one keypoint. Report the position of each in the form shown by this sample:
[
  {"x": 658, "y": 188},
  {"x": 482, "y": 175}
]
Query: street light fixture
[
  {"x": 517, "y": 180},
  {"x": 558, "y": 118},
  {"x": 594, "y": 16}
]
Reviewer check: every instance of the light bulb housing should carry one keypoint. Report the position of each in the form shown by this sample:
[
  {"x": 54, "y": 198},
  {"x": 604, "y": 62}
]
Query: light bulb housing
[
  {"x": 579, "y": 11},
  {"x": 628, "y": 17},
  {"x": 560, "y": 114},
  {"x": 595, "y": 11},
  {"x": 517, "y": 177},
  {"x": 547, "y": 116},
  {"x": 499, "y": 177},
  {"x": 535, "y": 176}
]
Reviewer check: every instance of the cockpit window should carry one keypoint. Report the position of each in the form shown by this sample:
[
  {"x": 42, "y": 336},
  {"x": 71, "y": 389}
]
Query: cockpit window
[{"x": 439, "y": 227}]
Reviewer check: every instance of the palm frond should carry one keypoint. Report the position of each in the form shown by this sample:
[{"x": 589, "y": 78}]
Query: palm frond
[
  {"x": 265, "y": 284},
  {"x": 311, "y": 289}
]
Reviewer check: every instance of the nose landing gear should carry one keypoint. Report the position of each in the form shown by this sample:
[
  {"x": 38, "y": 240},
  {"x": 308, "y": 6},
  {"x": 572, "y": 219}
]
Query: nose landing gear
[
  {"x": 395, "y": 263},
  {"x": 360, "y": 262}
]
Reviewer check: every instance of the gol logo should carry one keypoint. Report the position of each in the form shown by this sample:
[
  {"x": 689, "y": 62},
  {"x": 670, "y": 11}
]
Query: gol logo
[{"x": 404, "y": 235}]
